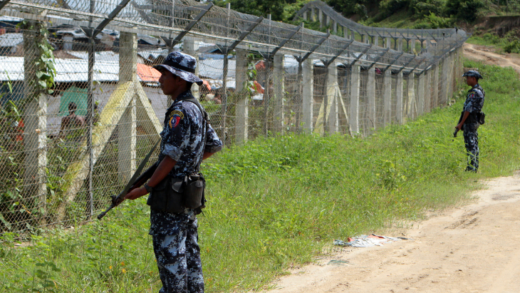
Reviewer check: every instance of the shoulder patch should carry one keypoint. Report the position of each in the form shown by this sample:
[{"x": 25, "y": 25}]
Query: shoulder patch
[{"x": 174, "y": 118}]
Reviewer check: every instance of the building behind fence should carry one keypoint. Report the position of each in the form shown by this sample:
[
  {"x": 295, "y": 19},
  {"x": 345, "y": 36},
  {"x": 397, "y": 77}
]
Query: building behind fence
[{"x": 59, "y": 165}]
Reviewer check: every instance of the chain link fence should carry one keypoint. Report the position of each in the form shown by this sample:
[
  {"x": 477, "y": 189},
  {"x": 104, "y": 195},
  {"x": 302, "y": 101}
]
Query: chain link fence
[{"x": 81, "y": 105}]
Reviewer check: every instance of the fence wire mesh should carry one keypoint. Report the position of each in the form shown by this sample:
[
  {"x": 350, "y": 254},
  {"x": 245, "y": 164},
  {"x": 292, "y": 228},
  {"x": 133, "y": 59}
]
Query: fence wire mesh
[{"x": 68, "y": 146}]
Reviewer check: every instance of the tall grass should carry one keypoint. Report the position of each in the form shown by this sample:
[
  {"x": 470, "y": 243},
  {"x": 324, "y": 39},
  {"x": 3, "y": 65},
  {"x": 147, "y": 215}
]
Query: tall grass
[{"x": 275, "y": 203}]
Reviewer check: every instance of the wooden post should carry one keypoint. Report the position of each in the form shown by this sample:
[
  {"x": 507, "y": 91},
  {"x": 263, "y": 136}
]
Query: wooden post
[
  {"x": 354, "y": 99},
  {"x": 308, "y": 95},
  {"x": 242, "y": 110},
  {"x": 35, "y": 132},
  {"x": 387, "y": 97},
  {"x": 371, "y": 97},
  {"x": 399, "y": 99},
  {"x": 279, "y": 92},
  {"x": 400, "y": 44},
  {"x": 127, "y": 136}
]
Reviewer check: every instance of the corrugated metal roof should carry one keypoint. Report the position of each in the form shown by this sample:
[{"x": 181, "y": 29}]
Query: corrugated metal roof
[
  {"x": 67, "y": 70},
  {"x": 11, "y": 40}
]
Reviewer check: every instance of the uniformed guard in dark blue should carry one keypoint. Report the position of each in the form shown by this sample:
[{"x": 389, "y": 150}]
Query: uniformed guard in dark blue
[
  {"x": 186, "y": 141},
  {"x": 471, "y": 117}
]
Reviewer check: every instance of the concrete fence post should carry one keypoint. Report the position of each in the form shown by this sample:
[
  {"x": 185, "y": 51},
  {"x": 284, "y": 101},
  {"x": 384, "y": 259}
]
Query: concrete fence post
[
  {"x": 445, "y": 80},
  {"x": 191, "y": 47},
  {"x": 371, "y": 97},
  {"x": 399, "y": 99},
  {"x": 435, "y": 86},
  {"x": 410, "y": 102},
  {"x": 332, "y": 81},
  {"x": 320, "y": 18},
  {"x": 279, "y": 92},
  {"x": 427, "y": 91},
  {"x": 242, "y": 106},
  {"x": 127, "y": 136},
  {"x": 35, "y": 131},
  {"x": 355, "y": 77},
  {"x": 387, "y": 97},
  {"x": 308, "y": 95},
  {"x": 421, "y": 93}
]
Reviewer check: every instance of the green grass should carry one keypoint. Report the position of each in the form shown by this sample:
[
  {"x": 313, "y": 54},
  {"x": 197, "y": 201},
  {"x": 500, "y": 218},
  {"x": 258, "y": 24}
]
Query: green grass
[{"x": 276, "y": 203}]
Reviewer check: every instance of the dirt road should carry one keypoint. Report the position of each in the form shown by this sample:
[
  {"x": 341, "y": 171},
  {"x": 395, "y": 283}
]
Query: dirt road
[
  {"x": 486, "y": 55},
  {"x": 474, "y": 248}
]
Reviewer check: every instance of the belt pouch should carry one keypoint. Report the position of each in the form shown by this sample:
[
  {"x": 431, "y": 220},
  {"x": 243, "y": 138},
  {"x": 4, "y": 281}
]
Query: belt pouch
[
  {"x": 166, "y": 197},
  {"x": 194, "y": 191}
]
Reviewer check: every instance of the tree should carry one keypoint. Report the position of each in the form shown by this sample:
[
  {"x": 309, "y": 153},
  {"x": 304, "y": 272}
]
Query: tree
[{"x": 464, "y": 9}]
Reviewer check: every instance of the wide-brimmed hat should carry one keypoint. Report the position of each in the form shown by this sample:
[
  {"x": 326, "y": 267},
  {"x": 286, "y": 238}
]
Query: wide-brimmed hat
[
  {"x": 472, "y": 73},
  {"x": 181, "y": 65}
]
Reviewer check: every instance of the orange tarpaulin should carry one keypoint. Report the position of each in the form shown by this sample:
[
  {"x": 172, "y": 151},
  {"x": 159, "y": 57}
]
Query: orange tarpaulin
[
  {"x": 206, "y": 83},
  {"x": 256, "y": 86}
]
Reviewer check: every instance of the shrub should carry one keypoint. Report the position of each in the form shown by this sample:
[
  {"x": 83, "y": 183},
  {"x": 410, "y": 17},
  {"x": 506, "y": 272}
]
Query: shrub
[
  {"x": 439, "y": 22},
  {"x": 464, "y": 9}
]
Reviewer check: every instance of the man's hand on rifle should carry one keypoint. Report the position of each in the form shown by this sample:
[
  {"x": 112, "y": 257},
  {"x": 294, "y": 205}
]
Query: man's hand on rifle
[{"x": 136, "y": 193}]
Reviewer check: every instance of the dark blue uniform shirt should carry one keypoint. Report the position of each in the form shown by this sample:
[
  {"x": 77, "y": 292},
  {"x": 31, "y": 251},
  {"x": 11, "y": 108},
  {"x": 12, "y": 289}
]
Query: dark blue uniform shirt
[
  {"x": 182, "y": 140},
  {"x": 475, "y": 99}
]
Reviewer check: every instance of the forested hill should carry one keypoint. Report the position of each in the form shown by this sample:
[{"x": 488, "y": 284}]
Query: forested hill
[{"x": 388, "y": 13}]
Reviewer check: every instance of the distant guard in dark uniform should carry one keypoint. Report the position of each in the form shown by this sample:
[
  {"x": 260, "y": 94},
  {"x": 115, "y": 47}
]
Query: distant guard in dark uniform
[
  {"x": 186, "y": 141},
  {"x": 471, "y": 118}
]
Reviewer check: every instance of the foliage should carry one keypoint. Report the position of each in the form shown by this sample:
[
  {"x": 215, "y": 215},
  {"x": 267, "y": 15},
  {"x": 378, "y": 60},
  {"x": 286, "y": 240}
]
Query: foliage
[
  {"x": 439, "y": 22},
  {"x": 280, "y": 10},
  {"x": 509, "y": 43},
  {"x": 389, "y": 7},
  {"x": 425, "y": 8},
  {"x": 44, "y": 64},
  {"x": 276, "y": 203},
  {"x": 464, "y": 9}
]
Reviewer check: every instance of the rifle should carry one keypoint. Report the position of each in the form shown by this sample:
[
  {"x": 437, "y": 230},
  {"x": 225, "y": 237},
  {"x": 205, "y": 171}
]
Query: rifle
[
  {"x": 460, "y": 119},
  {"x": 136, "y": 181}
]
